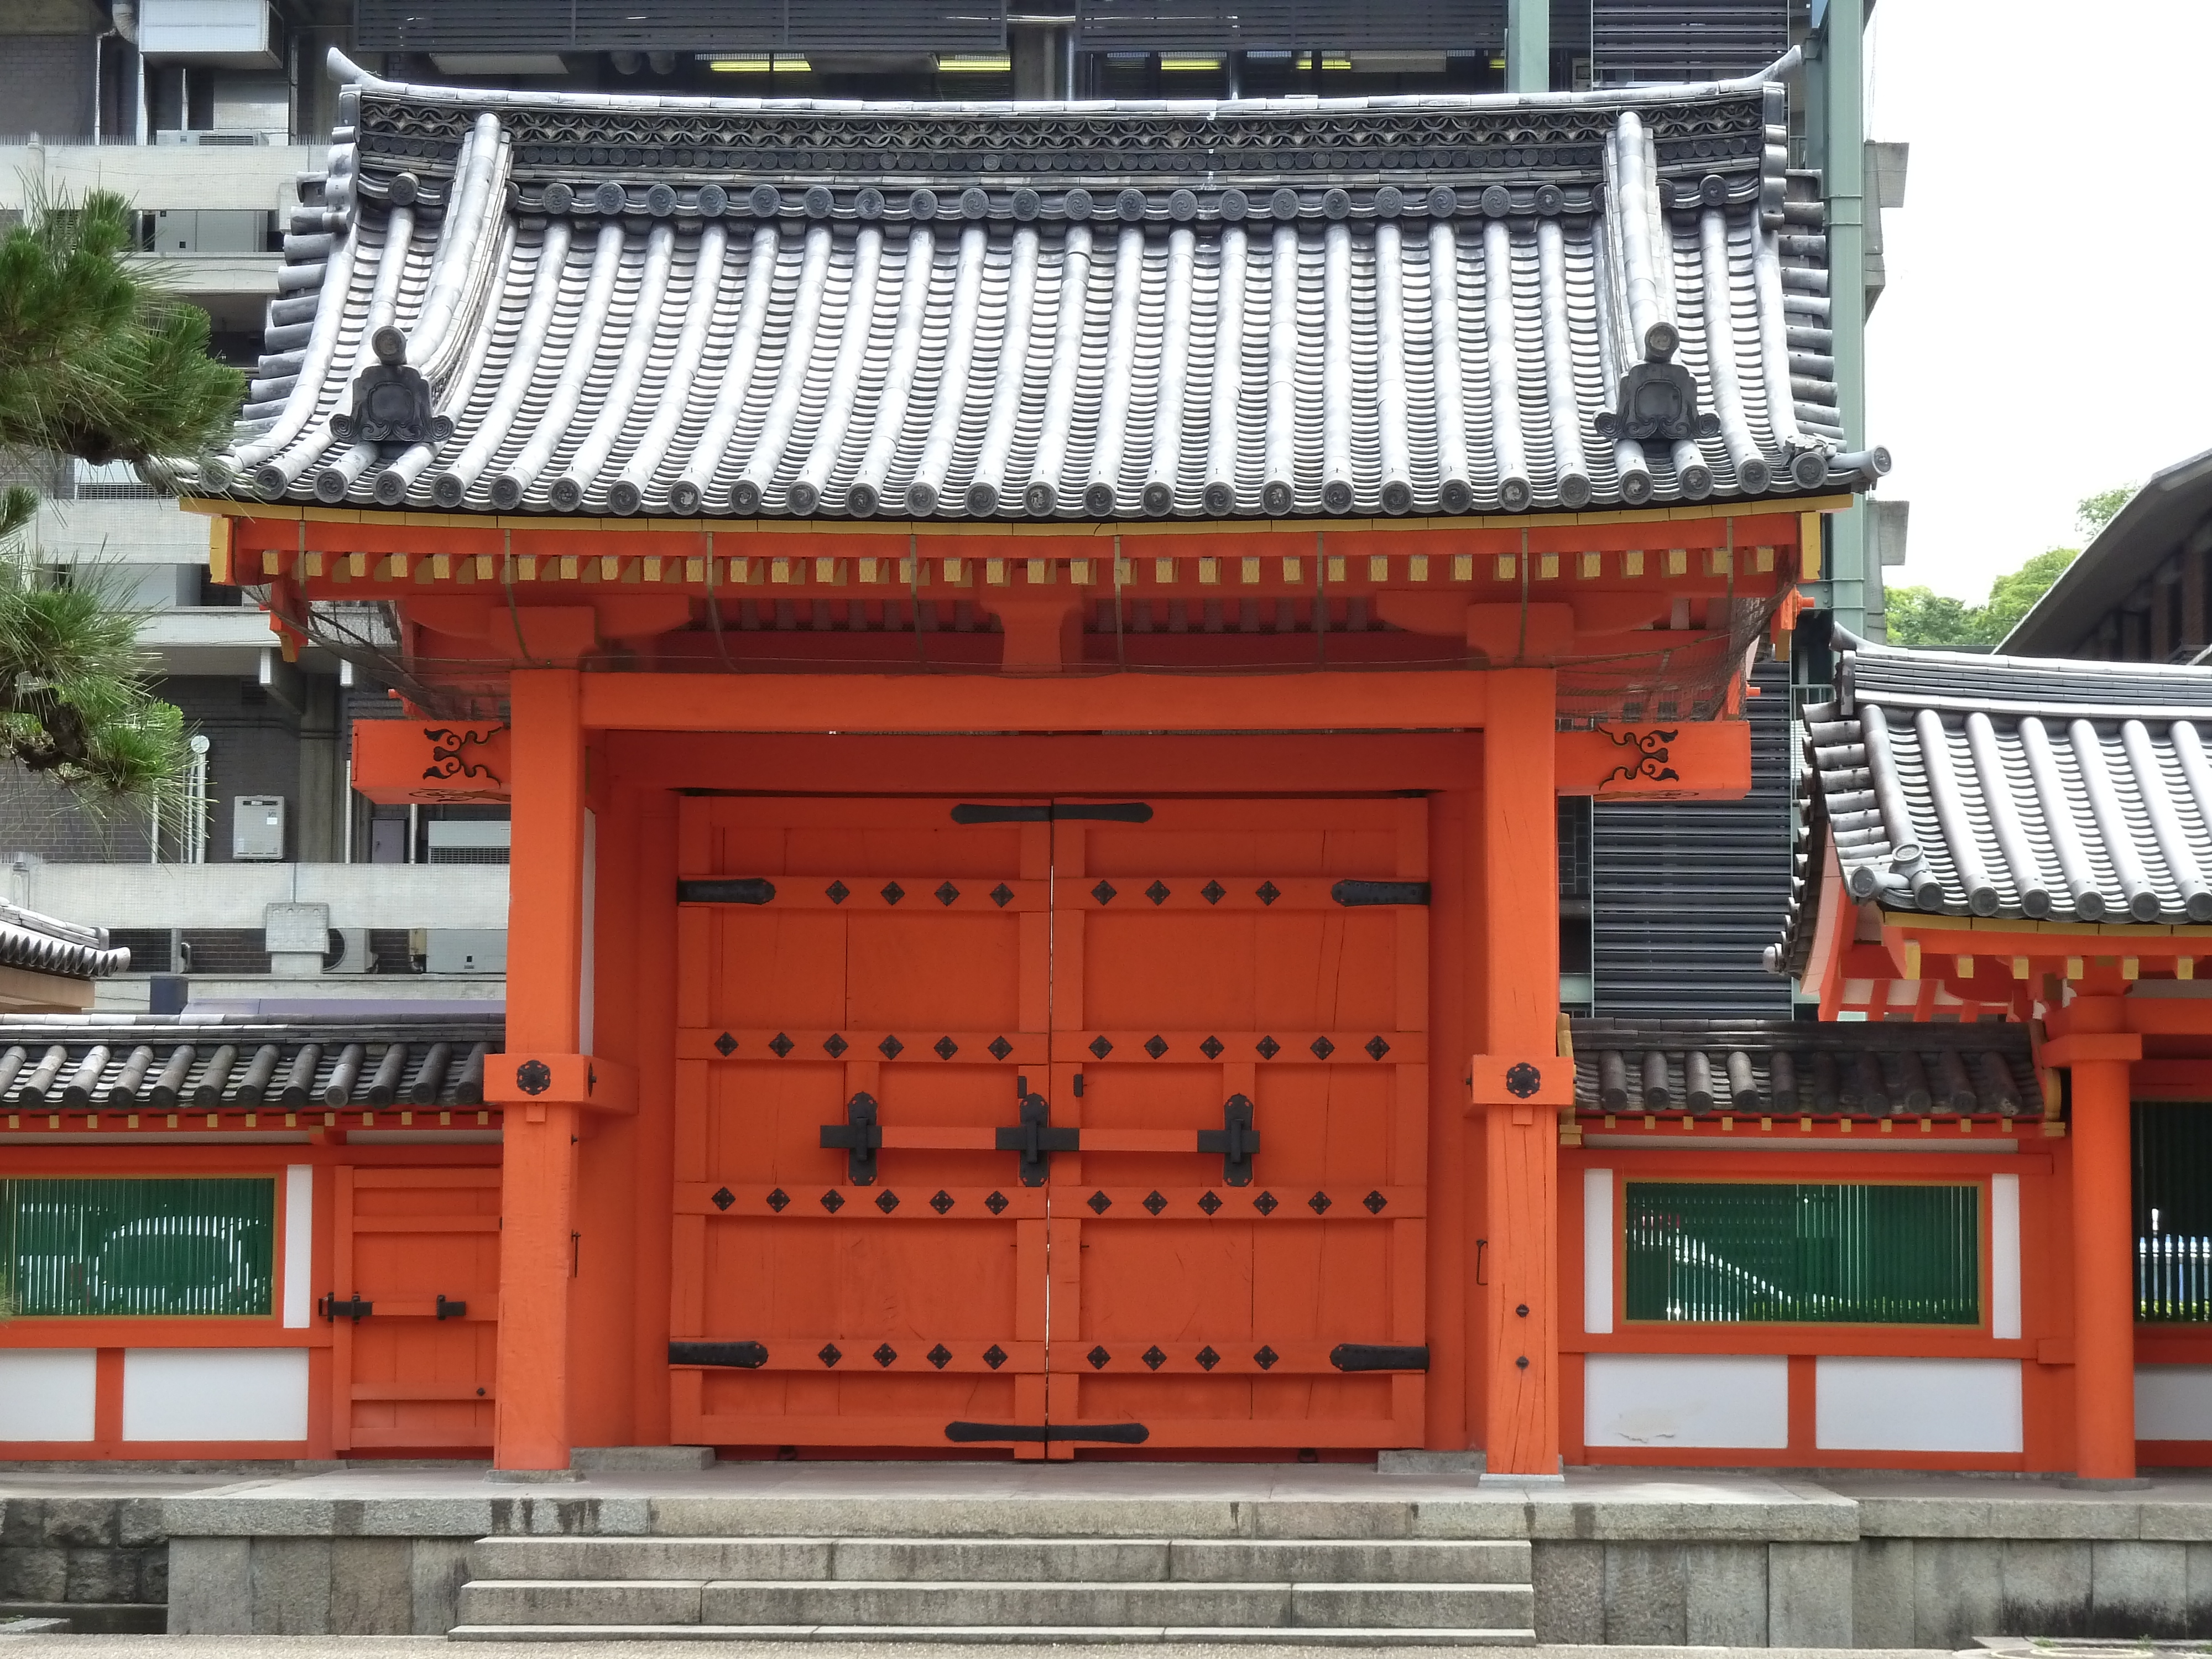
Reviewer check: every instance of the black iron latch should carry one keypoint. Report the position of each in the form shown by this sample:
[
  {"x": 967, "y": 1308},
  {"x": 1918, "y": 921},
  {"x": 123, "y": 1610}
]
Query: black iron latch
[
  {"x": 1380, "y": 892},
  {"x": 742, "y": 890},
  {"x": 1375, "y": 1357},
  {"x": 352, "y": 1308},
  {"x": 858, "y": 1135},
  {"x": 1034, "y": 1138},
  {"x": 452, "y": 1309},
  {"x": 1236, "y": 1140},
  {"x": 743, "y": 1356},
  {"x": 1118, "y": 1434}
]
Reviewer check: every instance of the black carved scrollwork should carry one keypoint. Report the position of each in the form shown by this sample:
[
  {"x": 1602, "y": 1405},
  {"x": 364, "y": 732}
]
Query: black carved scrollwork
[
  {"x": 1649, "y": 761},
  {"x": 448, "y": 753}
]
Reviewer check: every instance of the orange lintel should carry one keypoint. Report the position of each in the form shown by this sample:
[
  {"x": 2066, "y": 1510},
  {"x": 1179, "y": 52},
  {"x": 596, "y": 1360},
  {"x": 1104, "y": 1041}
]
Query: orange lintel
[
  {"x": 396, "y": 762},
  {"x": 1704, "y": 760},
  {"x": 2085, "y": 1047},
  {"x": 1445, "y": 699}
]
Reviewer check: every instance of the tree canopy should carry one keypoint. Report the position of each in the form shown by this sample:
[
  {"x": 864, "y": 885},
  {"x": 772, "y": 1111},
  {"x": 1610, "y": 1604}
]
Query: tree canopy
[
  {"x": 97, "y": 361},
  {"x": 1922, "y": 617}
]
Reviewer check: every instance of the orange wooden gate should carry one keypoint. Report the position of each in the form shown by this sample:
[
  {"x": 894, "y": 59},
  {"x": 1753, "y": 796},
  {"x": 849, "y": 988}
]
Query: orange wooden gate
[
  {"x": 1043, "y": 1125},
  {"x": 414, "y": 1307}
]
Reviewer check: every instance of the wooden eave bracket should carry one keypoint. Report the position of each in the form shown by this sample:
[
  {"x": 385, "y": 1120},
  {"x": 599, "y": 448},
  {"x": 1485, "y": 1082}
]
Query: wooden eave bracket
[
  {"x": 1671, "y": 760},
  {"x": 527, "y": 1079}
]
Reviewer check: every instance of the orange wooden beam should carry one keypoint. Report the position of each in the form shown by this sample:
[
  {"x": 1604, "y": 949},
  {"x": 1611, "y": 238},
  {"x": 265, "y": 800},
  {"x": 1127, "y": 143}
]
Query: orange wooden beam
[
  {"x": 1707, "y": 760},
  {"x": 396, "y": 762},
  {"x": 975, "y": 702}
]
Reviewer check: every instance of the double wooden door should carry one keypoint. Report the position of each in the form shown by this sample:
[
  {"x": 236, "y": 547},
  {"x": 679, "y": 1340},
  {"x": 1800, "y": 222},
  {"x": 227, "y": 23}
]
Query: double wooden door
[{"x": 1051, "y": 1125}]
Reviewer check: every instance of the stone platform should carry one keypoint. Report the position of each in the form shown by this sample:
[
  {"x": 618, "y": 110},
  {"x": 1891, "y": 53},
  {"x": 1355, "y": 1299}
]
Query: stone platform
[{"x": 1659, "y": 1558}]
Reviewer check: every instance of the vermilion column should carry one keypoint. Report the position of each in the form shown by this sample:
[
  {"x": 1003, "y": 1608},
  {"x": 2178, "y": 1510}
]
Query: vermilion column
[
  {"x": 545, "y": 981},
  {"x": 1521, "y": 933},
  {"x": 2098, "y": 1053}
]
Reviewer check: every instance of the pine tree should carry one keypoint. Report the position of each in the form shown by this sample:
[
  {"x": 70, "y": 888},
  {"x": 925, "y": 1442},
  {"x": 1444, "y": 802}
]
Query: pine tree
[{"x": 98, "y": 362}]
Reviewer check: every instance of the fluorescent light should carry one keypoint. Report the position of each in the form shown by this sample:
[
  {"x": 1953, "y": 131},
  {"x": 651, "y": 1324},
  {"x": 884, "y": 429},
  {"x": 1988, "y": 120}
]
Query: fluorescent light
[
  {"x": 1190, "y": 62},
  {"x": 974, "y": 65},
  {"x": 759, "y": 65}
]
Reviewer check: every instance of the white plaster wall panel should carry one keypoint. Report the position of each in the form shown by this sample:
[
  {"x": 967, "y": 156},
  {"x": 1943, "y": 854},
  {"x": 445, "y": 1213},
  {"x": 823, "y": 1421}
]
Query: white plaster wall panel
[
  {"x": 1864, "y": 1404},
  {"x": 215, "y": 1393},
  {"x": 2004, "y": 1256},
  {"x": 299, "y": 1245},
  {"x": 1597, "y": 1251},
  {"x": 1666, "y": 1401},
  {"x": 46, "y": 1394},
  {"x": 2174, "y": 1403}
]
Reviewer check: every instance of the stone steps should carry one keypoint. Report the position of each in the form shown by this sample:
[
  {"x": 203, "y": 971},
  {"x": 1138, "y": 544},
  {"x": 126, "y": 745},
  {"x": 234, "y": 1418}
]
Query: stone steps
[{"x": 984, "y": 1589}]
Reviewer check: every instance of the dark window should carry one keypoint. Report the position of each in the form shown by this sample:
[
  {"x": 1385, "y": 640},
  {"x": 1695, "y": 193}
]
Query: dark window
[
  {"x": 1748, "y": 1252},
  {"x": 2174, "y": 1212},
  {"x": 143, "y": 1248}
]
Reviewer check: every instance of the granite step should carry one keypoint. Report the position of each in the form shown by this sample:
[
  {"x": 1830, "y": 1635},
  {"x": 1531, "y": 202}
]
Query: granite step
[{"x": 1269, "y": 1635}]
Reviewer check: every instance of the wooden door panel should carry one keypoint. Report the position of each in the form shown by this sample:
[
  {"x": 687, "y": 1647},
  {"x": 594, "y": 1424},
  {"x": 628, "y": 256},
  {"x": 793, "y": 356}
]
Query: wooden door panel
[
  {"x": 406, "y": 1377},
  {"x": 1212, "y": 954},
  {"x": 900, "y": 964}
]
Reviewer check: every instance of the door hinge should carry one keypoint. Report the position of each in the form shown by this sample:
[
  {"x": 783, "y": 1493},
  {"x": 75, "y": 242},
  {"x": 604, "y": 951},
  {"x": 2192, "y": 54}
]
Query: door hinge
[
  {"x": 744, "y": 1356},
  {"x": 748, "y": 890},
  {"x": 1236, "y": 1140},
  {"x": 860, "y": 1136},
  {"x": 1380, "y": 892},
  {"x": 1112, "y": 812},
  {"x": 1118, "y": 1434},
  {"x": 1371, "y": 1356},
  {"x": 352, "y": 1308}
]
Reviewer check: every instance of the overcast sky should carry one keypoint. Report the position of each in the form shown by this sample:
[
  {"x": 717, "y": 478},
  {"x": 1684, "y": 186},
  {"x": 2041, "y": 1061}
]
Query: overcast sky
[{"x": 2047, "y": 329}]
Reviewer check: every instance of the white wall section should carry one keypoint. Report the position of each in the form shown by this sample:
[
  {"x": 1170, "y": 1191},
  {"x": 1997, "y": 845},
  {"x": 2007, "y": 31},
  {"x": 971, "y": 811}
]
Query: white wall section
[
  {"x": 299, "y": 1245},
  {"x": 1597, "y": 1251},
  {"x": 215, "y": 1393},
  {"x": 1674, "y": 1401},
  {"x": 2174, "y": 1403},
  {"x": 46, "y": 1394},
  {"x": 1916, "y": 1405},
  {"x": 2004, "y": 1256}
]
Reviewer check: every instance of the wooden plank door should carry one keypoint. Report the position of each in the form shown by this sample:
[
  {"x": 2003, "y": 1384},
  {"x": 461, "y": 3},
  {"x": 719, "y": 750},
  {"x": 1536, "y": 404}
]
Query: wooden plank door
[
  {"x": 863, "y": 989},
  {"x": 414, "y": 1307},
  {"x": 1224, "y": 969}
]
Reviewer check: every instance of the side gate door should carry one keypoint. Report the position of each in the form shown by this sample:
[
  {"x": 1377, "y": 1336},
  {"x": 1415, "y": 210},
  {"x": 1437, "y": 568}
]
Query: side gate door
[
  {"x": 864, "y": 991},
  {"x": 1240, "y": 1004},
  {"x": 414, "y": 1308}
]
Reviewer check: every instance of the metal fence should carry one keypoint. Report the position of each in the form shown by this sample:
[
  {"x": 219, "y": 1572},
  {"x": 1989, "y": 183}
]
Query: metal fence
[
  {"x": 1745, "y": 1252},
  {"x": 2174, "y": 1212},
  {"x": 153, "y": 1248}
]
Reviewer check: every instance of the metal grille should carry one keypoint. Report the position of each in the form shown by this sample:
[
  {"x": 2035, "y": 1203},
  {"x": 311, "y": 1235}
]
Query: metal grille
[
  {"x": 1449, "y": 26},
  {"x": 1648, "y": 41},
  {"x": 1686, "y": 895},
  {"x": 2174, "y": 1212},
  {"x": 1741, "y": 1252},
  {"x": 875, "y": 25},
  {"x": 149, "y": 1248}
]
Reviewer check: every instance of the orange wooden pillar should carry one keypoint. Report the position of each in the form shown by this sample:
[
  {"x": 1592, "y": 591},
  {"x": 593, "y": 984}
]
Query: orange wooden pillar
[
  {"x": 1517, "y": 1082},
  {"x": 2099, "y": 1051},
  {"x": 545, "y": 985}
]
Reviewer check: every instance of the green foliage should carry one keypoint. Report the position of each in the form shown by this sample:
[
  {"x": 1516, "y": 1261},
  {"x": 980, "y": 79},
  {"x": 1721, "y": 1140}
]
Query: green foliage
[
  {"x": 1921, "y": 616},
  {"x": 74, "y": 705},
  {"x": 96, "y": 360}
]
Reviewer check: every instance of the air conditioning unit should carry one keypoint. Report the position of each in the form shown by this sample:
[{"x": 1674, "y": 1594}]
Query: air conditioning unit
[
  {"x": 210, "y": 230},
  {"x": 257, "y": 827},
  {"x": 465, "y": 949},
  {"x": 209, "y": 139}
]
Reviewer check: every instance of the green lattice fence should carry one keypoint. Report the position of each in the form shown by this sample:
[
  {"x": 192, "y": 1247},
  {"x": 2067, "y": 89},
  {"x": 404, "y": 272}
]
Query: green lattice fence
[
  {"x": 1745, "y": 1252},
  {"x": 155, "y": 1248}
]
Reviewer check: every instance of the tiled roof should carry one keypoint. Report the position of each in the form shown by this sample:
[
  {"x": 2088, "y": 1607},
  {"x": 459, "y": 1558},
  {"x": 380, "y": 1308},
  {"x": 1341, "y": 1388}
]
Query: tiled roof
[
  {"x": 2008, "y": 787},
  {"x": 592, "y": 305},
  {"x": 1818, "y": 1069},
  {"x": 46, "y": 945},
  {"x": 157, "y": 1062}
]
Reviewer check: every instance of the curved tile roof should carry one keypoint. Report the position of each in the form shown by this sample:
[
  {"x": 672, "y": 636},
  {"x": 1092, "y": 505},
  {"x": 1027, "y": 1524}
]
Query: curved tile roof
[
  {"x": 519, "y": 301},
  {"x": 2010, "y": 786},
  {"x": 1813, "y": 1068},
  {"x": 47, "y": 944}
]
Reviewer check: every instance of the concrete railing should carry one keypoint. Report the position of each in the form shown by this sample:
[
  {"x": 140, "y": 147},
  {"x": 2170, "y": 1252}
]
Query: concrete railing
[
  {"x": 157, "y": 176},
  {"x": 238, "y": 895}
]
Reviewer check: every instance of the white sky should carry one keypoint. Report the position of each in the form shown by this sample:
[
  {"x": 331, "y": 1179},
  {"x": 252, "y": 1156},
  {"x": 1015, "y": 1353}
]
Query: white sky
[{"x": 2047, "y": 329}]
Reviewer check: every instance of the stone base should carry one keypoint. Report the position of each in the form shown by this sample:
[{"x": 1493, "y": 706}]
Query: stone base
[
  {"x": 1431, "y": 1462},
  {"x": 83, "y": 1619},
  {"x": 632, "y": 1459},
  {"x": 535, "y": 1477}
]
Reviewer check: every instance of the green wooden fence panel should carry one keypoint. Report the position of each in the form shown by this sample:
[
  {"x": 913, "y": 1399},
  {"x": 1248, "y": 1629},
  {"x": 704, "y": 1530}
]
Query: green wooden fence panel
[
  {"x": 2173, "y": 1211},
  {"x": 154, "y": 1248},
  {"x": 1748, "y": 1252}
]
